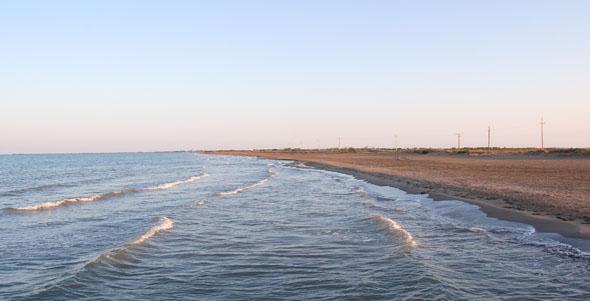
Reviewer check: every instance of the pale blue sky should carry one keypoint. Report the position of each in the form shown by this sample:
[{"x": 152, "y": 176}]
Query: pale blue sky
[{"x": 77, "y": 76}]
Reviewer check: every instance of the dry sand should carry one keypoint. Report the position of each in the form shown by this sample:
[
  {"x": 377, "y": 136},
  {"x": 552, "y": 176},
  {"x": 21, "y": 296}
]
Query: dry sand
[{"x": 550, "y": 192}]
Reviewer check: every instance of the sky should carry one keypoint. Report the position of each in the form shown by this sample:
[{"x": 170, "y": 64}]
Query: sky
[{"x": 109, "y": 76}]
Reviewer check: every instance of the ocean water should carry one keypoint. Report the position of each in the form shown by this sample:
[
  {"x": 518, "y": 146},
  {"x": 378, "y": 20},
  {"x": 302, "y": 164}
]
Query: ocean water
[{"x": 181, "y": 226}]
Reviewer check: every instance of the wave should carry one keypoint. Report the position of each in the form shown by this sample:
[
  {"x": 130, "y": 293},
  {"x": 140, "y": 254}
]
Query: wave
[
  {"x": 297, "y": 164},
  {"x": 176, "y": 183},
  {"x": 200, "y": 203},
  {"x": 566, "y": 250},
  {"x": 240, "y": 189},
  {"x": 477, "y": 230},
  {"x": 555, "y": 247},
  {"x": 128, "y": 255},
  {"x": 517, "y": 231},
  {"x": 51, "y": 205},
  {"x": 361, "y": 191},
  {"x": 98, "y": 197},
  {"x": 395, "y": 229},
  {"x": 372, "y": 202},
  {"x": 164, "y": 224}
]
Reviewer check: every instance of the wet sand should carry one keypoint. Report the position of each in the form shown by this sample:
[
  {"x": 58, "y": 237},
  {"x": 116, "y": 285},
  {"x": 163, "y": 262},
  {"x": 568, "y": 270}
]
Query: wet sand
[{"x": 549, "y": 191}]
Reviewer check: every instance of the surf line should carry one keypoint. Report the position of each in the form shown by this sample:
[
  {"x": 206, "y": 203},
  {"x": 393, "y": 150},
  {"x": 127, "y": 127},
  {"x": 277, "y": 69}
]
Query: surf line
[
  {"x": 126, "y": 256},
  {"x": 176, "y": 183},
  {"x": 164, "y": 224},
  {"x": 395, "y": 229},
  {"x": 97, "y": 197},
  {"x": 240, "y": 189}
]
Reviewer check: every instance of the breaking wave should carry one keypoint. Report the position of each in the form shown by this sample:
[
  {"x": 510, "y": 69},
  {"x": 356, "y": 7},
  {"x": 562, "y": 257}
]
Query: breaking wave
[
  {"x": 98, "y": 197},
  {"x": 395, "y": 229},
  {"x": 298, "y": 164},
  {"x": 128, "y": 256},
  {"x": 51, "y": 205},
  {"x": 477, "y": 230},
  {"x": 240, "y": 189},
  {"x": 121, "y": 258},
  {"x": 164, "y": 224},
  {"x": 176, "y": 183}
]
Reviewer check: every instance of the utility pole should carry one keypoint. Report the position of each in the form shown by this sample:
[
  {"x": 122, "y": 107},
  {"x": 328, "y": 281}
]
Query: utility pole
[
  {"x": 489, "y": 134},
  {"x": 458, "y": 140},
  {"x": 339, "y": 140},
  {"x": 542, "y": 134},
  {"x": 396, "y": 148}
]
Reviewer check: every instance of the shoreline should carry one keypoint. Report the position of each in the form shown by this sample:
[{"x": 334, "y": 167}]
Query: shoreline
[
  {"x": 541, "y": 223},
  {"x": 491, "y": 204}
]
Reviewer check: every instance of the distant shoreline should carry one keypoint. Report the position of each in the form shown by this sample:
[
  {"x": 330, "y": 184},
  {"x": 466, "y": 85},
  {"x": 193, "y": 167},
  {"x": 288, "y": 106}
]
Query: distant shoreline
[{"x": 546, "y": 190}]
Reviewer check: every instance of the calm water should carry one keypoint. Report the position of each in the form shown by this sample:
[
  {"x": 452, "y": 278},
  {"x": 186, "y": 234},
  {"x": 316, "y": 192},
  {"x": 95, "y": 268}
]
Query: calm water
[{"x": 170, "y": 226}]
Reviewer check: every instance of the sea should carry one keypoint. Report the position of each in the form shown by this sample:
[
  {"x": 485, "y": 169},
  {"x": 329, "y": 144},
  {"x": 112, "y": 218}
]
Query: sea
[{"x": 191, "y": 226}]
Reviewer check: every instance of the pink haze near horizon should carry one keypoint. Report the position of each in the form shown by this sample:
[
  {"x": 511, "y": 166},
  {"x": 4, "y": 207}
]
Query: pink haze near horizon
[{"x": 148, "y": 76}]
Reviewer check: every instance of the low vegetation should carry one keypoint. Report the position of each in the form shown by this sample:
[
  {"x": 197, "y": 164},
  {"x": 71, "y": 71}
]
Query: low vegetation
[{"x": 475, "y": 151}]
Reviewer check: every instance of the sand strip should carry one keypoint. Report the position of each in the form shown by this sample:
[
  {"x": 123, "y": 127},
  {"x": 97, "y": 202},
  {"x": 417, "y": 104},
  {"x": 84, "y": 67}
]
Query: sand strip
[{"x": 551, "y": 193}]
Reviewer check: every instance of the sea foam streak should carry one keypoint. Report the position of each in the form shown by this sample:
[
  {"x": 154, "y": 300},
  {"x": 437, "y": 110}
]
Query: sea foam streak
[
  {"x": 54, "y": 204},
  {"x": 176, "y": 183},
  {"x": 164, "y": 224},
  {"x": 240, "y": 189},
  {"x": 394, "y": 228},
  {"x": 50, "y": 205}
]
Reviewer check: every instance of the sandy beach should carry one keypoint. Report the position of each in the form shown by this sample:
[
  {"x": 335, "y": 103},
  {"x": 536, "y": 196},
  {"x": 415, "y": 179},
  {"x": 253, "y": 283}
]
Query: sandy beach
[{"x": 550, "y": 191}]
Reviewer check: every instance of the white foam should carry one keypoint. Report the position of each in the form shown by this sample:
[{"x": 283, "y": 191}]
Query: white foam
[
  {"x": 240, "y": 189},
  {"x": 126, "y": 256},
  {"x": 50, "y": 205},
  {"x": 54, "y": 204},
  {"x": 164, "y": 224},
  {"x": 394, "y": 228},
  {"x": 200, "y": 203},
  {"x": 477, "y": 230},
  {"x": 361, "y": 191},
  {"x": 176, "y": 183}
]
